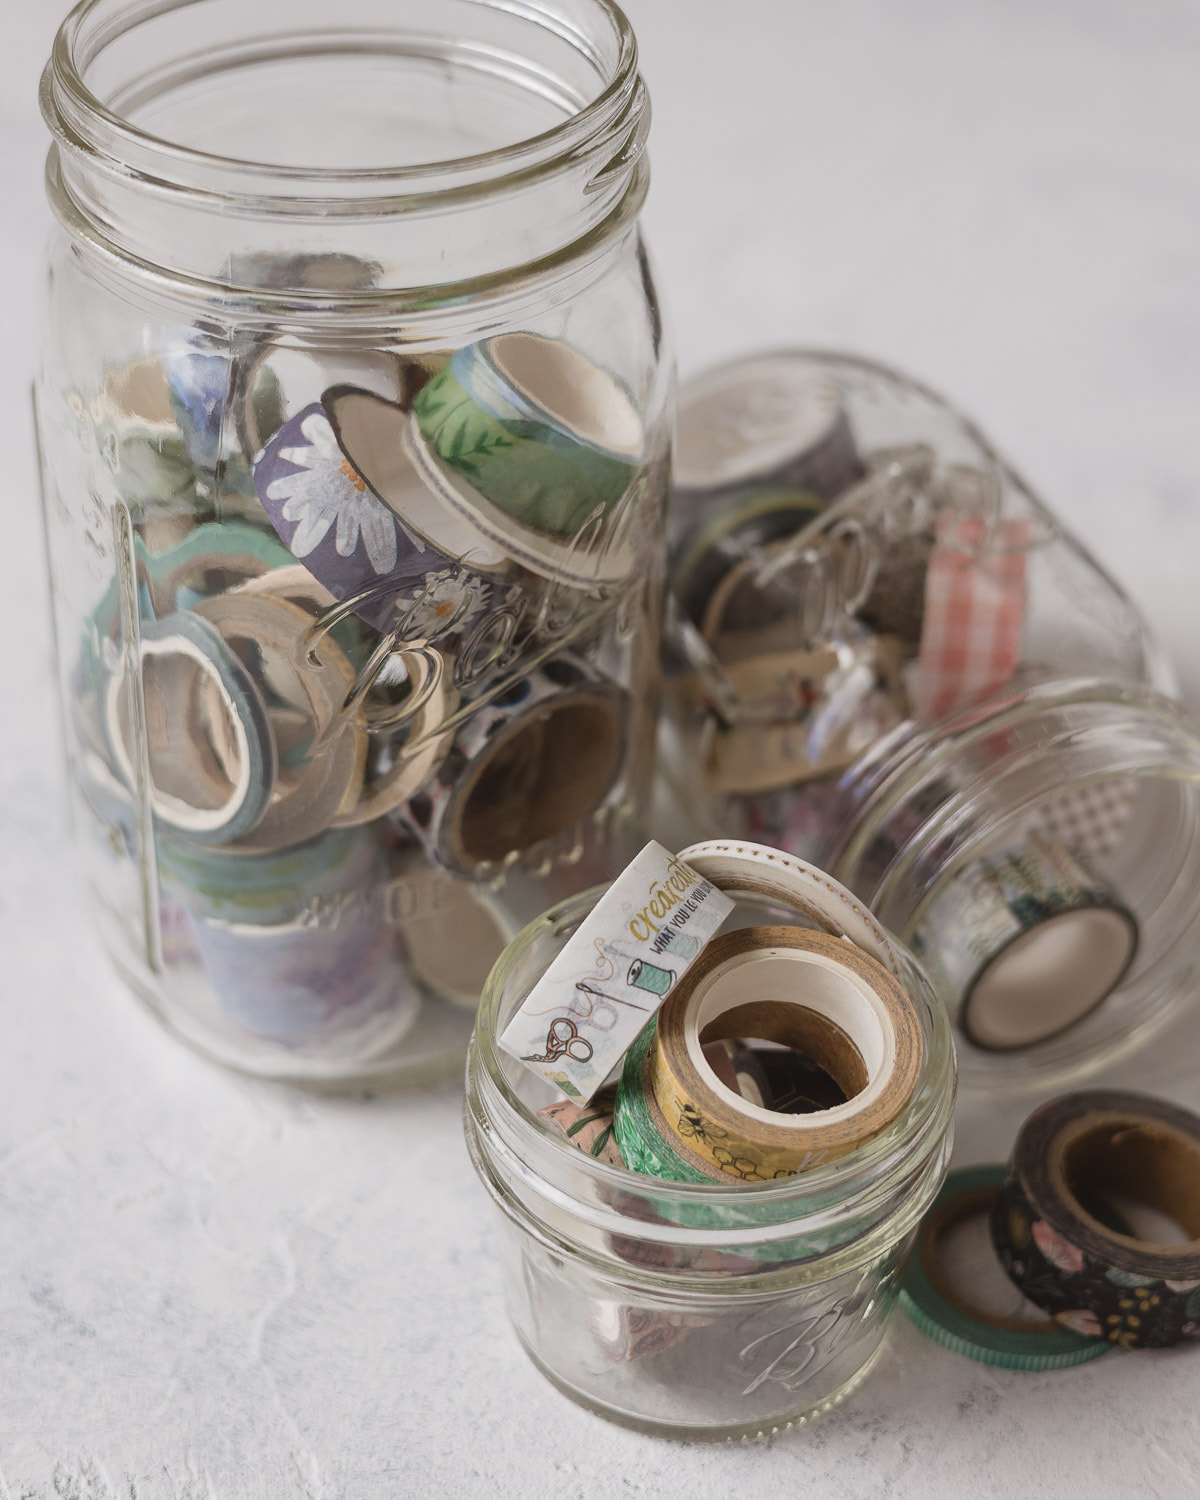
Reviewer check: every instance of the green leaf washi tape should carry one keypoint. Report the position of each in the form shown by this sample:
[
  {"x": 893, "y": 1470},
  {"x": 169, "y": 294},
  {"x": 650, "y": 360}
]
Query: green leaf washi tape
[{"x": 1016, "y": 1343}]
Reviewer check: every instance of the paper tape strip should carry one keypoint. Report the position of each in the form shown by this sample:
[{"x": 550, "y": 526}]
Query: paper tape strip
[
  {"x": 757, "y": 872},
  {"x": 1024, "y": 944},
  {"x": 937, "y": 1309},
  {"x": 1071, "y": 1157},
  {"x": 818, "y": 994},
  {"x": 587, "y": 1009}
]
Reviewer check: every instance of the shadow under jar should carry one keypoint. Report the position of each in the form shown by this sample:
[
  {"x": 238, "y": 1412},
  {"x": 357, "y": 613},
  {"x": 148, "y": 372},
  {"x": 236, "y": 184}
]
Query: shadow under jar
[
  {"x": 892, "y": 659},
  {"x": 694, "y": 1309},
  {"x": 353, "y": 429}
]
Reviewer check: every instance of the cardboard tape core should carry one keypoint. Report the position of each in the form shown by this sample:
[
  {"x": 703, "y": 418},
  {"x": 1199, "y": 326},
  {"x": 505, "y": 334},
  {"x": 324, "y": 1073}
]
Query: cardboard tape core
[{"x": 1145, "y": 1161}]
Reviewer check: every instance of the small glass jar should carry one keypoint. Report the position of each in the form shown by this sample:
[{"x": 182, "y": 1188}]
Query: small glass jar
[
  {"x": 694, "y": 1309},
  {"x": 353, "y": 415},
  {"x": 891, "y": 659}
]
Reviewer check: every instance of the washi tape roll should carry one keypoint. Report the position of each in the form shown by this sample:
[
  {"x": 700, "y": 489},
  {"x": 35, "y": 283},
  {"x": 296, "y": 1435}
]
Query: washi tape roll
[
  {"x": 974, "y": 616},
  {"x": 930, "y": 1298},
  {"x": 754, "y": 872},
  {"x": 772, "y": 419},
  {"x": 544, "y": 435},
  {"x": 211, "y": 758},
  {"x": 453, "y": 932},
  {"x": 724, "y": 534},
  {"x": 321, "y": 760},
  {"x": 805, "y": 714},
  {"x": 1072, "y": 1157},
  {"x": 358, "y": 546},
  {"x": 821, "y": 996},
  {"x": 277, "y": 380},
  {"x": 525, "y": 768},
  {"x": 1024, "y": 944},
  {"x": 588, "y": 1127}
]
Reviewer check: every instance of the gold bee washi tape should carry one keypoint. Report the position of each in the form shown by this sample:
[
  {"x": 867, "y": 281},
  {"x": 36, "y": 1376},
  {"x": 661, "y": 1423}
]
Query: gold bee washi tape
[
  {"x": 1025, "y": 944},
  {"x": 1072, "y": 1160},
  {"x": 821, "y": 996}
]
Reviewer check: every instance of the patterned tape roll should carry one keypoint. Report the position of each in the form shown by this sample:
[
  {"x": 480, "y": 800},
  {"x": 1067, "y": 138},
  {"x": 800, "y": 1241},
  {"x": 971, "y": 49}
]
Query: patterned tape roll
[
  {"x": 952, "y": 1320},
  {"x": 1025, "y": 944},
  {"x": 776, "y": 418},
  {"x": 525, "y": 768},
  {"x": 758, "y": 873},
  {"x": 322, "y": 761},
  {"x": 974, "y": 614},
  {"x": 587, "y": 1127},
  {"x": 805, "y": 714},
  {"x": 367, "y": 551},
  {"x": 211, "y": 751},
  {"x": 1071, "y": 1158},
  {"x": 453, "y": 931},
  {"x": 544, "y": 435},
  {"x": 818, "y": 994},
  {"x": 722, "y": 531}
]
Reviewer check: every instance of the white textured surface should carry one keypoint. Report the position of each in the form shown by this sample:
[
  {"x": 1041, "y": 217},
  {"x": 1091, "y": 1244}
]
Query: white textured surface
[{"x": 214, "y": 1290}]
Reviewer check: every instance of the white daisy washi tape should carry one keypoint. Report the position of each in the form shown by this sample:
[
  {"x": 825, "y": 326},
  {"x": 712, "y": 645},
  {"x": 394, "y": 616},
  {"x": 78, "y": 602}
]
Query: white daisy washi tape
[
  {"x": 366, "y": 553},
  {"x": 1024, "y": 944}
]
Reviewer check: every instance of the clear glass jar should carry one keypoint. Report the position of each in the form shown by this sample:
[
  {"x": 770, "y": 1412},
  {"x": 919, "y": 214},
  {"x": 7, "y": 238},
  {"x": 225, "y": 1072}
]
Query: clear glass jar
[
  {"x": 891, "y": 659},
  {"x": 694, "y": 1309},
  {"x": 353, "y": 415}
]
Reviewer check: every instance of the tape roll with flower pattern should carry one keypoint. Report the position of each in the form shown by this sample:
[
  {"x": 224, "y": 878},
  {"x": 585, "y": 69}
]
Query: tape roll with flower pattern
[
  {"x": 1073, "y": 1160},
  {"x": 820, "y": 995}
]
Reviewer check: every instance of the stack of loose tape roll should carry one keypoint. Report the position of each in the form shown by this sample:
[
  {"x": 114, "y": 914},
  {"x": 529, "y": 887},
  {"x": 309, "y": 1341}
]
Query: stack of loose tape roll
[
  {"x": 365, "y": 691},
  {"x": 733, "y": 1055}
]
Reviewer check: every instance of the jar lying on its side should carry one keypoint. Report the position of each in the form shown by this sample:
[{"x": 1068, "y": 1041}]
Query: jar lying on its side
[
  {"x": 892, "y": 659},
  {"x": 694, "y": 1309},
  {"x": 353, "y": 420}
]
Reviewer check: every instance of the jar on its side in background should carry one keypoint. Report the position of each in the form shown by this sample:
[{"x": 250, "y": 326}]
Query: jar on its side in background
[
  {"x": 353, "y": 414},
  {"x": 695, "y": 1310},
  {"x": 889, "y": 657}
]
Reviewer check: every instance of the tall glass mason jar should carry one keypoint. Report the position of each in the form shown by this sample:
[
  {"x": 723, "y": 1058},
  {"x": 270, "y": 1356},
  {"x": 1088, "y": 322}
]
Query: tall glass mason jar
[
  {"x": 354, "y": 428},
  {"x": 893, "y": 659},
  {"x": 695, "y": 1310}
]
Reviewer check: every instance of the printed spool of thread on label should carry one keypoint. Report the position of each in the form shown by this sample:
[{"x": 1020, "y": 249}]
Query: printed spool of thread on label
[{"x": 589, "y": 1007}]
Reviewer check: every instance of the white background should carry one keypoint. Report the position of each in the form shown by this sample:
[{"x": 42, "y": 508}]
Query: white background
[{"x": 214, "y": 1289}]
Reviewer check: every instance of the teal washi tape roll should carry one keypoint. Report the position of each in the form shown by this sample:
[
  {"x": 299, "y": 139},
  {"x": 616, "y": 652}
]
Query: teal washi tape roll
[
  {"x": 538, "y": 429},
  {"x": 1017, "y": 1343},
  {"x": 1024, "y": 944}
]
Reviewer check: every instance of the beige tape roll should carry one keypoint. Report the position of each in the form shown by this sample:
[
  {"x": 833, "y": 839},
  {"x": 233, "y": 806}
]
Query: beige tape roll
[
  {"x": 756, "y": 872},
  {"x": 819, "y": 994},
  {"x": 321, "y": 767}
]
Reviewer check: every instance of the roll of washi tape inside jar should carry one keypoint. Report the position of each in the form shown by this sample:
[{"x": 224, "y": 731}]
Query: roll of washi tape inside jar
[
  {"x": 1072, "y": 1159},
  {"x": 589, "y": 1127},
  {"x": 543, "y": 434},
  {"x": 818, "y": 994},
  {"x": 770, "y": 419},
  {"x": 322, "y": 754},
  {"x": 524, "y": 769},
  {"x": 931, "y": 1297},
  {"x": 349, "y": 538},
  {"x": 453, "y": 931},
  {"x": 214, "y": 780},
  {"x": 278, "y": 379},
  {"x": 1024, "y": 944}
]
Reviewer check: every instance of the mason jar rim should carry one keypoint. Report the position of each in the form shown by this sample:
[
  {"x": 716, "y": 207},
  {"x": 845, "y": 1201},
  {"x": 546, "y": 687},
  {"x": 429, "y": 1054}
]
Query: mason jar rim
[{"x": 83, "y": 123}]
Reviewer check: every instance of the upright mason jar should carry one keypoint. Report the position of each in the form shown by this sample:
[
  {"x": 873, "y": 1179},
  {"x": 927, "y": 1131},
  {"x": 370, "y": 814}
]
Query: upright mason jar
[
  {"x": 353, "y": 417},
  {"x": 696, "y": 1309},
  {"x": 891, "y": 658}
]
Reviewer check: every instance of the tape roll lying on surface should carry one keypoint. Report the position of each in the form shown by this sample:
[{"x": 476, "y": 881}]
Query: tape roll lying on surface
[
  {"x": 1072, "y": 1160},
  {"x": 931, "y": 1301}
]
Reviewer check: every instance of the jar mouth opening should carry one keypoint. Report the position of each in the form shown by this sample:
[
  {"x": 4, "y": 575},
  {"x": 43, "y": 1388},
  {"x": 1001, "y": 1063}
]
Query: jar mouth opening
[{"x": 84, "y": 122}]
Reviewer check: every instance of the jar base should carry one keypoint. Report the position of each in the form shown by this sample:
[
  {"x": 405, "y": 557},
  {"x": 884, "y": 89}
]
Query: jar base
[{"x": 733, "y": 1432}]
